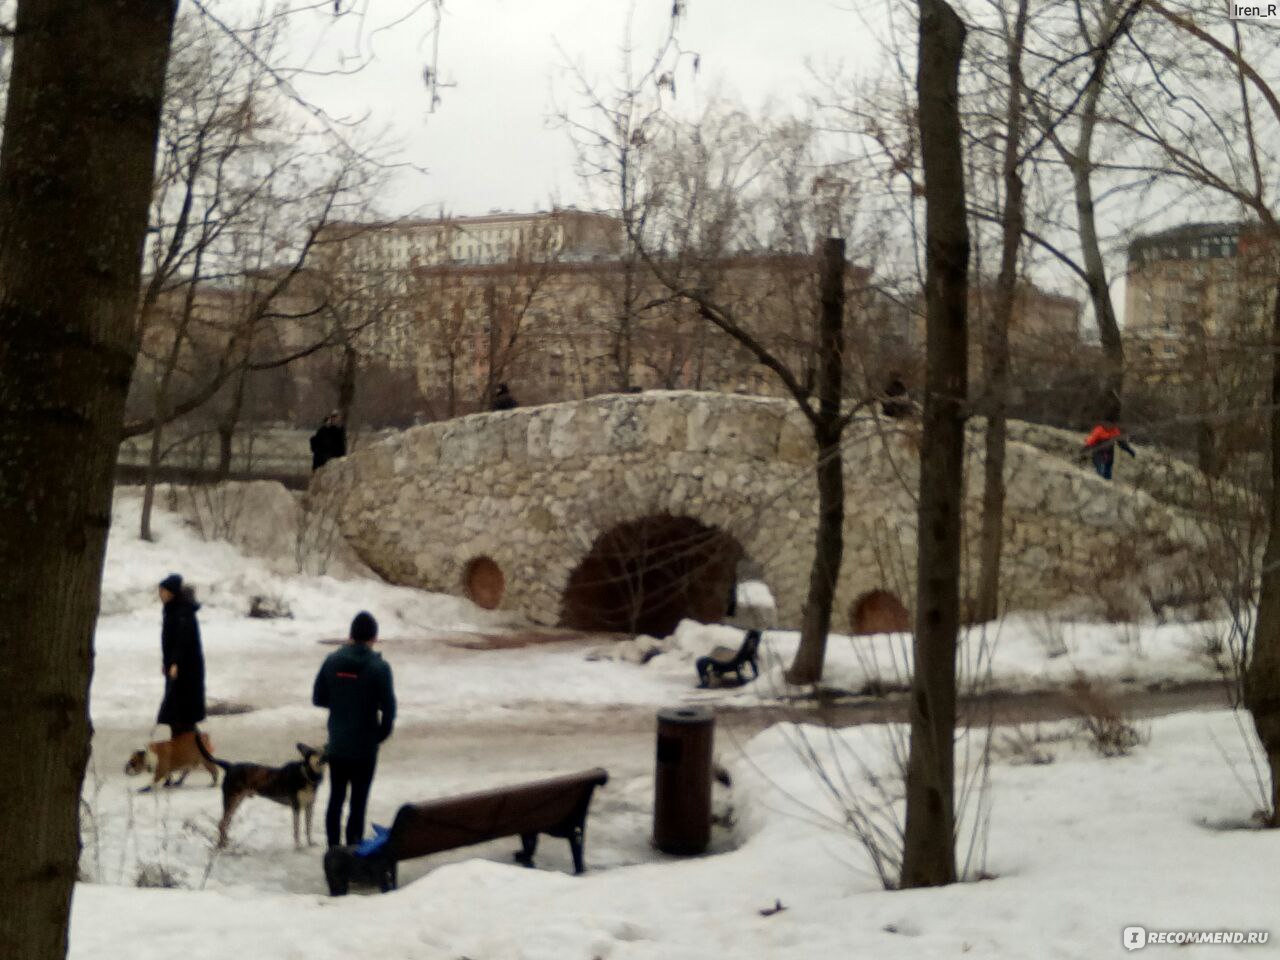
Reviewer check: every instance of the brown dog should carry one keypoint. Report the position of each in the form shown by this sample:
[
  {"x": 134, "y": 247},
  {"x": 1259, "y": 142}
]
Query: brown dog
[
  {"x": 293, "y": 785},
  {"x": 179, "y": 756}
]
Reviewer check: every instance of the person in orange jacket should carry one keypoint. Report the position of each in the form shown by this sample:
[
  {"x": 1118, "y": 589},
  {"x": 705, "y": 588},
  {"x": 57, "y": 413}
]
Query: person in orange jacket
[{"x": 1101, "y": 446}]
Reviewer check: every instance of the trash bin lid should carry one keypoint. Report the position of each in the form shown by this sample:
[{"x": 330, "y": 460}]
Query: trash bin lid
[{"x": 690, "y": 715}]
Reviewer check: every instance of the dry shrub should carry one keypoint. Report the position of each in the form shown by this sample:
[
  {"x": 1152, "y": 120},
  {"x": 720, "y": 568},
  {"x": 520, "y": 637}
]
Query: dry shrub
[
  {"x": 1051, "y": 634},
  {"x": 1029, "y": 745},
  {"x": 158, "y": 875},
  {"x": 1102, "y": 721}
]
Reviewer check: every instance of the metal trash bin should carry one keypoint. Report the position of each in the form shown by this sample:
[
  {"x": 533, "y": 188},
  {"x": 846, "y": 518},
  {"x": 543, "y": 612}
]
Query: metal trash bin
[{"x": 682, "y": 780}]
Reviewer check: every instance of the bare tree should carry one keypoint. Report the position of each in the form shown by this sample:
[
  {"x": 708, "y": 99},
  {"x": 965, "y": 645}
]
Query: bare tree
[
  {"x": 487, "y": 318},
  {"x": 243, "y": 193},
  {"x": 613, "y": 135},
  {"x": 77, "y": 163},
  {"x": 807, "y": 356},
  {"x": 1226, "y": 150},
  {"x": 996, "y": 339},
  {"x": 928, "y": 851},
  {"x": 75, "y": 180},
  {"x": 1099, "y": 26},
  {"x": 442, "y": 312},
  {"x": 775, "y": 192}
]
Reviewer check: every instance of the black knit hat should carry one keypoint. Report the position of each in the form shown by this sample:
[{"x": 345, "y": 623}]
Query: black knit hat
[
  {"x": 172, "y": 583},
  {"x": 364, "y": 628}
]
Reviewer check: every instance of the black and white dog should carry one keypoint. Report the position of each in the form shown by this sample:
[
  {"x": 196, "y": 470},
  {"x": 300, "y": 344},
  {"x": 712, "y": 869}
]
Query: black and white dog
[{"x": 293, "y": 785}]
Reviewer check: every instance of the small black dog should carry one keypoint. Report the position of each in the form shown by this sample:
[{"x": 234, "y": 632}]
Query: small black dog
[{"x": 293, "y": 785}]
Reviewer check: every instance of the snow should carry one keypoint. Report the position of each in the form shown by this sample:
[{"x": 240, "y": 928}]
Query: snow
[{"x": 1079, "y": 847}]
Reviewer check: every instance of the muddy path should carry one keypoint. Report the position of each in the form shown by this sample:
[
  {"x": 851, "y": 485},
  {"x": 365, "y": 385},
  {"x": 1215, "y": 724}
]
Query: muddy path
[
  {"x": 537, "y": 737},
  {"x": 999, "y": 708}
]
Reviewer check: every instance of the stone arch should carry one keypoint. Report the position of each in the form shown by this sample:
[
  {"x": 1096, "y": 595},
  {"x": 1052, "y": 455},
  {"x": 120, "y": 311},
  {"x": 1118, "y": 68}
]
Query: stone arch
[
  {"x": 648, "y": 574},
  {"x": 534, "y": 488},
  {"x": 483, "y": 582},
  {"x": 878, "y": 611}
]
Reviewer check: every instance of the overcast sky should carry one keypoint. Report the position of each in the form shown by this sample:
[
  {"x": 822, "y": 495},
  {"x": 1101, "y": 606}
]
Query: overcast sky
[{"x": 490, "y": 144}]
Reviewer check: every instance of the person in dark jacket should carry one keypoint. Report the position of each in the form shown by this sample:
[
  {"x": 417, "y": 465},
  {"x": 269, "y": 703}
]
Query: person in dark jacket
[
  {"x": 182, "y": 656},
  {"x": 354, "y": 683},
  {"x": 329, "y": 442},
  {"x": 896, "y": 401},
  {"x": 502, "y": 398}
]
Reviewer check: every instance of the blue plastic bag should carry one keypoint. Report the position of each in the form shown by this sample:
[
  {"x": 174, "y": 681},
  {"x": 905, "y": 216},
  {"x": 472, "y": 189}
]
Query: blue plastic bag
[{"x": 372, "y": 845}]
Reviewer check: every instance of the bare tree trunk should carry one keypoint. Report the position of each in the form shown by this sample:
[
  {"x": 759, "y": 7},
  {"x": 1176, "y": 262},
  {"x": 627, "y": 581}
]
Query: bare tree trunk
[
  {"x": 160, "y": 406},
  {"x": 491, "y": 321},
  {"x": 622, "y": 336},
  {"x": 163, "y": 411},
  {"x": 929, "y": 848},
  {"x": 701, "y": 360},
  {"x": 991, "y": 537},
  {"x": 452, "y": 394},
  {"x": 226, "y": 439},
  {"x": 347, "y": 384},
  {"x": 227, "y": 424},
  {"x": 827, "y": 429},
  {"x": 1081, "y": 165},
  {"x": 1100, "y": 296},
  {"x": 1262, "y": 674},
  {"x": 75, "y": 182},
  {"x": 153, "y": 472}
]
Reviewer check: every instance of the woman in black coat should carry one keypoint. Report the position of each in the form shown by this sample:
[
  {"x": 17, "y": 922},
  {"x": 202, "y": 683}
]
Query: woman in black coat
[{"x": 183, "y": 704}]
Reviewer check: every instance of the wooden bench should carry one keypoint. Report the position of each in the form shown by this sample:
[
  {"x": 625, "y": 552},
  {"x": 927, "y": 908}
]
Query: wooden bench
[
  {"x": 556, "y": 807},
  {"x": 725, "y": 661}
]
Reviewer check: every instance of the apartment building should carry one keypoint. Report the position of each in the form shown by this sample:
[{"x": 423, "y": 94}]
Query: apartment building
[
  {"x": 560, "y": 330},
  {"x": 565, "y": 234},
  {"x": 368, "y": 265},
  {"x": 1196, "y": 296}
]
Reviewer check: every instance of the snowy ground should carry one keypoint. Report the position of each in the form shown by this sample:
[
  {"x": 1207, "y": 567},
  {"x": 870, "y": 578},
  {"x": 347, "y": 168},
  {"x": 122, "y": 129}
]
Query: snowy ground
[{"x": 1079, "y": 848}]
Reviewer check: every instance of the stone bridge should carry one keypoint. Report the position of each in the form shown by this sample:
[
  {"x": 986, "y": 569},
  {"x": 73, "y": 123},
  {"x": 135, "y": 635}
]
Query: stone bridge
[{"x": 628, "y": 512}]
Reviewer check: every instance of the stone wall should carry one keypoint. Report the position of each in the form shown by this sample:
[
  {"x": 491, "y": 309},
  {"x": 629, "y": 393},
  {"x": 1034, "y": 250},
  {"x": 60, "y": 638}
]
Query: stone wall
[{"x": 532, "y": 489}]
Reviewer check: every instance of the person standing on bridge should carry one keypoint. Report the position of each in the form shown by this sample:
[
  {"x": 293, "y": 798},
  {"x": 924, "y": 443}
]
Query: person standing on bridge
[
  {"x": 329, "y": 442},
  {"x": 355, "y": 684},
  {"x": 502, "y": 398},
  {"x": 1101, "y": 446},
  {"x": 896, "y": 401}
]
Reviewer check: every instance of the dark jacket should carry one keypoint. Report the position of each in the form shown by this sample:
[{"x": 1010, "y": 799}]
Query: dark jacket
[
  {"x": 328, "y": 443},
  {"x": 355, "y": 684},
  {"x": 896, "y": 402},
  {"x": 503, "y": 400},
  {"x": 180, "y": 645}
]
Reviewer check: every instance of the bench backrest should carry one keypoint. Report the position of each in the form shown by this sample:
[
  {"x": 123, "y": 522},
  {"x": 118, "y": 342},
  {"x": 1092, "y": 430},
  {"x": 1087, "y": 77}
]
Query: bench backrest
[{"x": 554, "y": 806}]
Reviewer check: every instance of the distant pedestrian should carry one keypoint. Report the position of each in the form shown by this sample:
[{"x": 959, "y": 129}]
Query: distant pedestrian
[
  {"x": 328, "y": 442},
  {"x": 182, "y": 657},
  {"x": 896, "y": 401},
  {"x": 1101, "y": 446},
  {"x": 502, "y": 398},
  {"x": 354, "y": 683}
]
